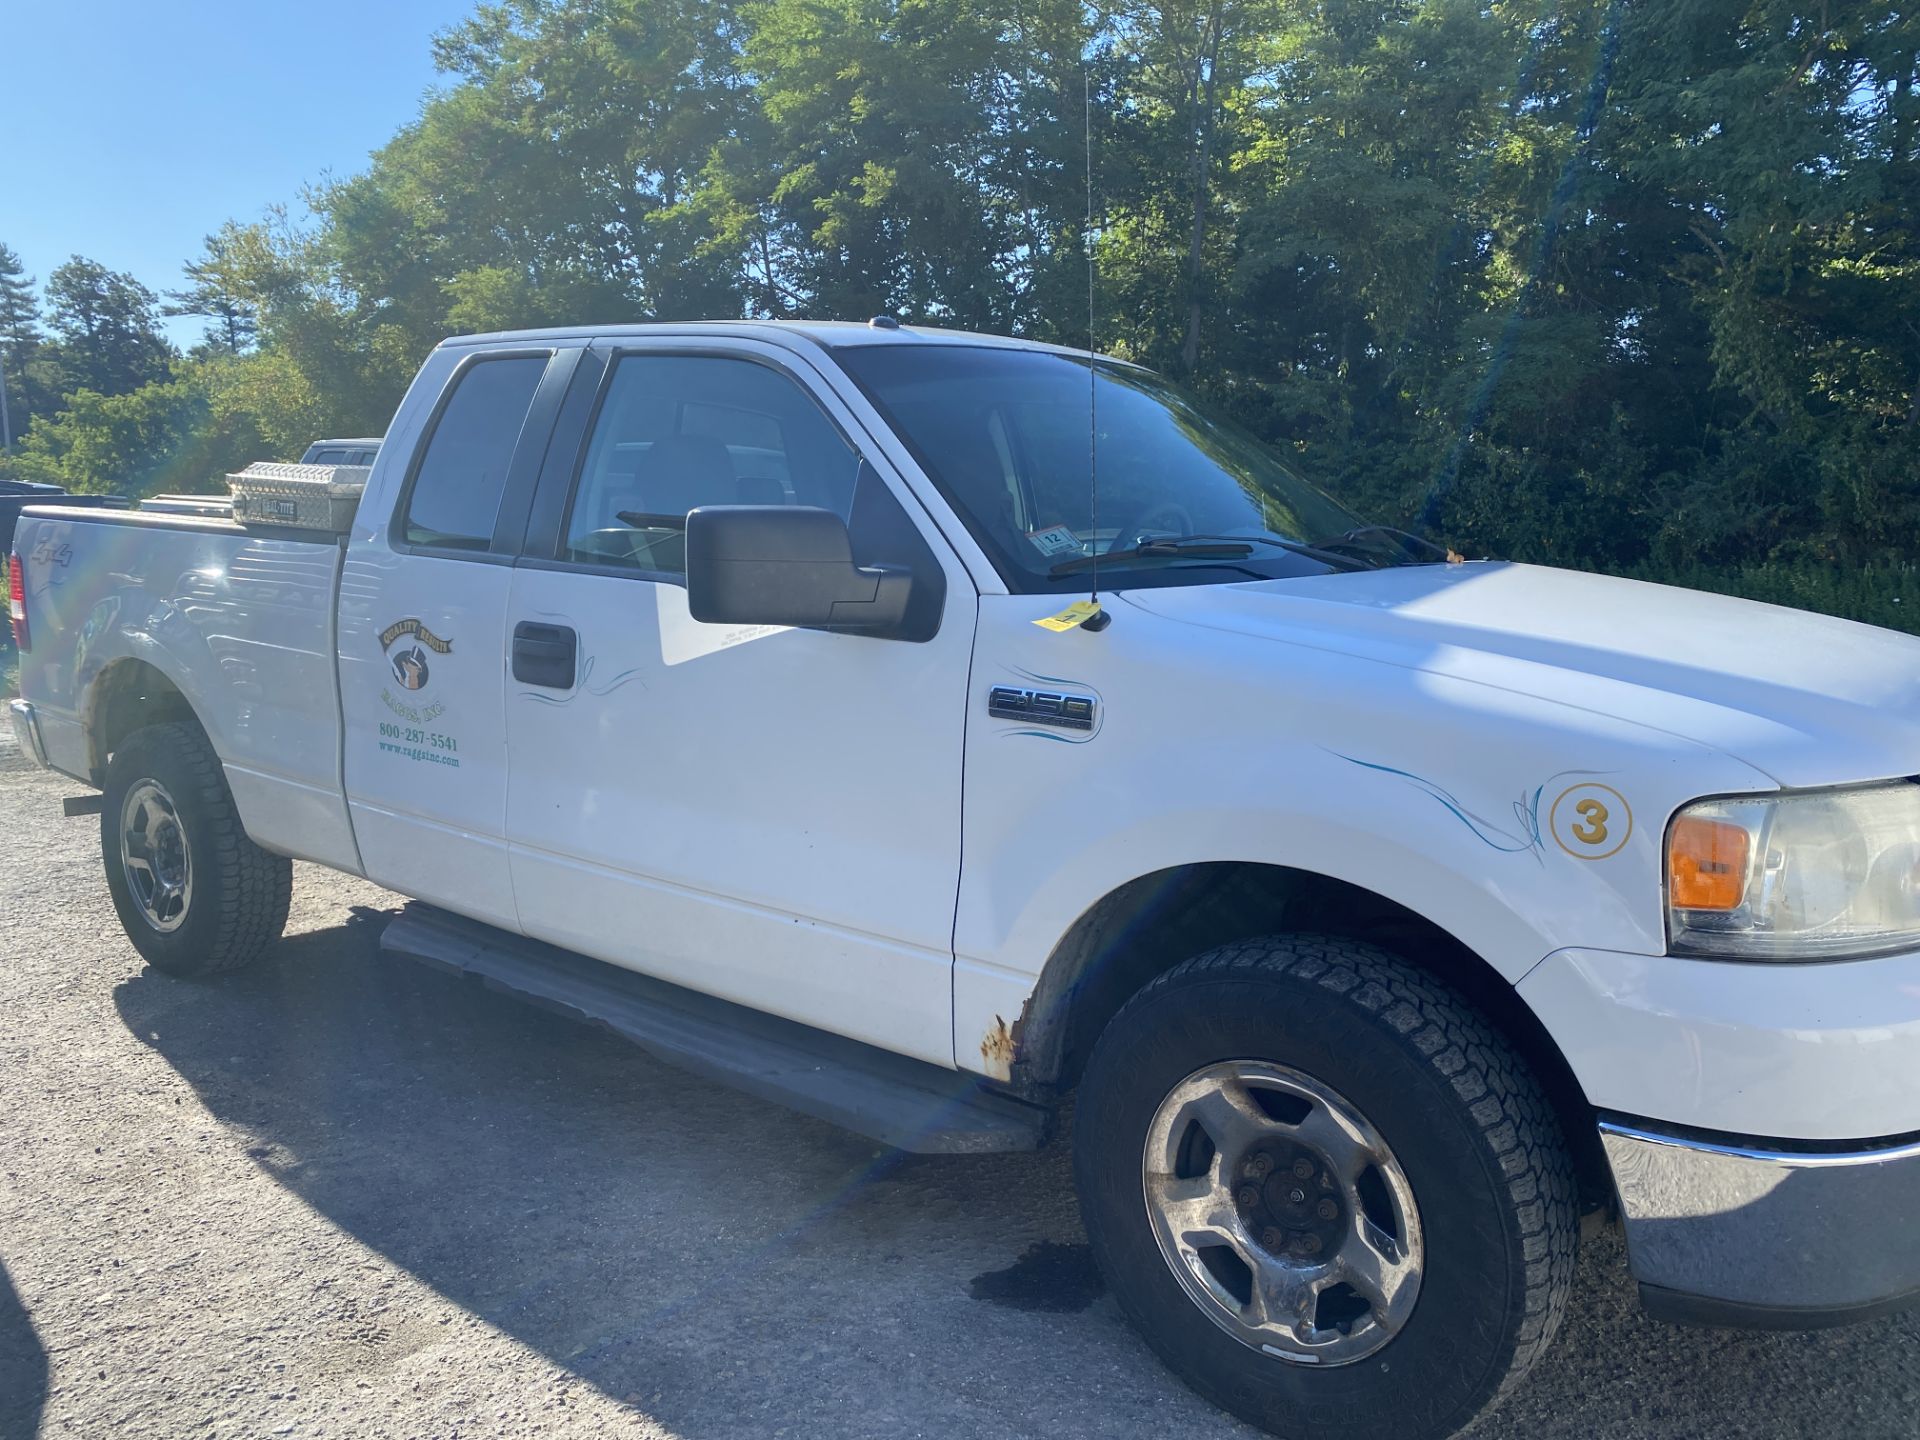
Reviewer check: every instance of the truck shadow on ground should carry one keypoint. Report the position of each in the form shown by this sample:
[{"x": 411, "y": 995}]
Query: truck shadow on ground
[
  {"x": 23, "y": 1367},
  {"x": 726, "y": 1267}
]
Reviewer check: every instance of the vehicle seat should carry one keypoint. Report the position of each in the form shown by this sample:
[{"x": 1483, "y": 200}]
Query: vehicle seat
[
  {"x": 762, "y": 490},
  {"x": 680, "y": 472}
]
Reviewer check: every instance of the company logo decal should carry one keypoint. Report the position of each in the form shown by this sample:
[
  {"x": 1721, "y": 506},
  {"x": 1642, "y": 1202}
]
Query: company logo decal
[
  {"x": 409, "y": 663},
  {"x": 407, "y": 645}
]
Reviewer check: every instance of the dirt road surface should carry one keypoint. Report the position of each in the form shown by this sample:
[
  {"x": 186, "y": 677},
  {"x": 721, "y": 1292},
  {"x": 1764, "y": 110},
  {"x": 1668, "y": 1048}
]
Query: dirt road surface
[{"x": 339, "y": 1195}]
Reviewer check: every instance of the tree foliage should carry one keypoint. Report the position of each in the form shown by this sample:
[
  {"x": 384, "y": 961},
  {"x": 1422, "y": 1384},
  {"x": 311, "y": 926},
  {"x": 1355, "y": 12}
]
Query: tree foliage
[
  {"x": 19, "y": 310},
  {"x": 107, "y": 327},
  {"x": 215, "y": 292},
  {"x": 1583, "y": 281}
]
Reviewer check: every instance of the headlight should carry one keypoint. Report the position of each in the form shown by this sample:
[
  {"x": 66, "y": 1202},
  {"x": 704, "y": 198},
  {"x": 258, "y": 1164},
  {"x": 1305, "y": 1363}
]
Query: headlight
[{"x": 1820, "y": 875}]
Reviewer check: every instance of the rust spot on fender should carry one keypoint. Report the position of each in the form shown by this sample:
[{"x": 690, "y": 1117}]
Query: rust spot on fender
[{"x": 996, "y": 1051}]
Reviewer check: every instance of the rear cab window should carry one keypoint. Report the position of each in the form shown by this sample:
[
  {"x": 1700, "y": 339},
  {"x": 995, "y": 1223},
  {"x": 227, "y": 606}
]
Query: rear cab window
[{"x": 453, "y": 498}]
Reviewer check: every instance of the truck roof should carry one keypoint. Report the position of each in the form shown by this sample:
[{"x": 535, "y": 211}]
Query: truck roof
[{"x": 828, "y": 333}]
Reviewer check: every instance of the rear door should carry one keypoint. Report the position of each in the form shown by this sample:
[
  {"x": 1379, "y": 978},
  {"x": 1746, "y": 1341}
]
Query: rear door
[
  {"x": 422, "y": 642},
  {"x": 765, "y": 814}
]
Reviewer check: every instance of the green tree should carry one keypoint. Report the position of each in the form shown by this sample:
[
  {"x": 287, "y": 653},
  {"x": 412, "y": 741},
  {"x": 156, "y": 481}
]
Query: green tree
[
  {"x": 918, "y": 157},
  {"x": 32, "y": 379},
  {"x": 1786, "y": 135},
  {"x": 19, "y": 309},
  {"x": 154, "y": 438},
  {"x": 214, "y": 292},
  {"x": 107, "y": 326},
  {"x": 555, "y": 180}
]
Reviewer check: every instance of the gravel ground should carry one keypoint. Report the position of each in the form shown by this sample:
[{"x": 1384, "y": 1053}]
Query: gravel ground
[{"x": 341, "y": 1195}]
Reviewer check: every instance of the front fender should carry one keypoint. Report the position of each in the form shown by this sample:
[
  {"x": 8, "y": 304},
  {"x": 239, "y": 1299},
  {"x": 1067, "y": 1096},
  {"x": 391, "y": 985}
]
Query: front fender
[{"x": 1455, "y": 800}]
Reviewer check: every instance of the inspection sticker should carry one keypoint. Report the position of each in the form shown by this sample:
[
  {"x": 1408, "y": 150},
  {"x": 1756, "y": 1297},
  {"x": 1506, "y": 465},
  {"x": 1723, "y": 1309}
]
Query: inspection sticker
[{"x": 1055, "y": 540}]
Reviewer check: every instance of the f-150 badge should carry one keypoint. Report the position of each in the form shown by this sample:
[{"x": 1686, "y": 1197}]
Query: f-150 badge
[{"x": 1041, "y": 707}]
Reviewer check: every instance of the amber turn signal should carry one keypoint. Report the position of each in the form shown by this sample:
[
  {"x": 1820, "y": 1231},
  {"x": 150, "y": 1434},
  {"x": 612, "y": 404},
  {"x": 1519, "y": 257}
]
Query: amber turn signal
[{"x": 1707, "y": 864}]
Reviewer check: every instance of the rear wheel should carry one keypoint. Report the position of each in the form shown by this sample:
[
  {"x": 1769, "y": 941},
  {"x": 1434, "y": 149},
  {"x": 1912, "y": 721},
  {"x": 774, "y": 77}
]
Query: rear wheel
[
  {"x": 194, "y": 894},
  {"x": 1328, "y": 1194}
]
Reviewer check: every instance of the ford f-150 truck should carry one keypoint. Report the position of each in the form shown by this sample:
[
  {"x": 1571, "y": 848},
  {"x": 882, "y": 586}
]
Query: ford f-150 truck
[{"x": 739, "y": 686}]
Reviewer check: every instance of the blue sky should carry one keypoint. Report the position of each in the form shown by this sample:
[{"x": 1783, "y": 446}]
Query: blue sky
[{"x": 133, "y": 128}]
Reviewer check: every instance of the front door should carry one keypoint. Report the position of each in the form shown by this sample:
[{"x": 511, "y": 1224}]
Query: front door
[{"x": 768, "y": 815}]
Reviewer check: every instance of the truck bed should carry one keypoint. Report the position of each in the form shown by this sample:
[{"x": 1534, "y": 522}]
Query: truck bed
[{"x": 240, "y": 619}]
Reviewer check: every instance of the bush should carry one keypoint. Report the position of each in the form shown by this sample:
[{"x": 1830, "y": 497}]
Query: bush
[{"x": 1887, "y": 595}]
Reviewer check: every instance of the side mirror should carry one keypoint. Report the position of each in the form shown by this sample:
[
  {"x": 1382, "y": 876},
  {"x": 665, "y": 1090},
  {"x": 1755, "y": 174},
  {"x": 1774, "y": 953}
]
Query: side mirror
[{"x": 789, "y": 565}]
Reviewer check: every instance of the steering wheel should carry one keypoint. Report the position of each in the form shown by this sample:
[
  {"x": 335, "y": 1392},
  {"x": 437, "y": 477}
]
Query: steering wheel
[{"x": 1161, "y": 517}]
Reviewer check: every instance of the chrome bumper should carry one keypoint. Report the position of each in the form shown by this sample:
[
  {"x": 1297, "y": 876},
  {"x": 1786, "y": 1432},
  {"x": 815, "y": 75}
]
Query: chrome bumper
[
  {"x": 26, "y": 731},
  {"x": 1723, "y": 1233}
]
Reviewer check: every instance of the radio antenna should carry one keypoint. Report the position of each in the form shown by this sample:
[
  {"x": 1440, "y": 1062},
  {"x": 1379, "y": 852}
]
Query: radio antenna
[{"x": 1099, "y": 619}]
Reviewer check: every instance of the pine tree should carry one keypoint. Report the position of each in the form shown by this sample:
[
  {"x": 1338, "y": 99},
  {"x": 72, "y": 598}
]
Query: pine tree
[
  {"x": 214, "y": 293},
  {"x": 19, "y": 310}
]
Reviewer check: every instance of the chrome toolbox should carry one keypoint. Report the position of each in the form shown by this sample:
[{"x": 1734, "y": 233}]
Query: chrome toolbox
[{"x": 300, "y": 497}]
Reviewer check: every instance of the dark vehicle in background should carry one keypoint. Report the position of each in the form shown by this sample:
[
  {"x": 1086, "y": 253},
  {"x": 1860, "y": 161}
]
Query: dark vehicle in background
[
  {"x": 342, "y": 452},
  {"x": 16, "y": 495}
]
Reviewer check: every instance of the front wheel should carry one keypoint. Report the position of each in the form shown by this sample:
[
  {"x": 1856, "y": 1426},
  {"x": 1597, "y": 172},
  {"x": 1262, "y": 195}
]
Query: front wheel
[
  {"x": 194, "y": 894},
  {"x": 1326, "y": 1192}
]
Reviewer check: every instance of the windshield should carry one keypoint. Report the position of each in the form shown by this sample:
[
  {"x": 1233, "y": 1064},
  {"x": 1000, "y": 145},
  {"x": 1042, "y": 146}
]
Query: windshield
[{"x": 1004, "y": 434}]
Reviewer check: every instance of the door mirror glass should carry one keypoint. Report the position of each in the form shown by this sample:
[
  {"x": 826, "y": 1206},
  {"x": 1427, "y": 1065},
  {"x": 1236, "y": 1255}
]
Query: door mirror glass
[{"x": 790, "y": 565}]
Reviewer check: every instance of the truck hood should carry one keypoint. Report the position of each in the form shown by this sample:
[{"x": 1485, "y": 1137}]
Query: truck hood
[{"x": 1806, "y": 699}]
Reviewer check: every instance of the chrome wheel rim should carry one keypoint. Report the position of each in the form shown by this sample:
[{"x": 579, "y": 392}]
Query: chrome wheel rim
[
  {"x": 1283, "y": 1213},
  {"x": 154, "y": 856}
]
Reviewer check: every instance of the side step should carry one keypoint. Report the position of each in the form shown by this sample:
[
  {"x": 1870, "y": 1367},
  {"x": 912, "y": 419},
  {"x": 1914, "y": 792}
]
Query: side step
[{"x": 898, "y": 1101}]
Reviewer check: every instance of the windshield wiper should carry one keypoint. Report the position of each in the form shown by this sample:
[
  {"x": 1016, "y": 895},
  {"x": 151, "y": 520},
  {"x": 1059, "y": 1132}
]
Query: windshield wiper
[
  {"x": 1190, "y": 545},
  {"x": 1181, "y": 547},
  {"x": 1410, "y": 544}
]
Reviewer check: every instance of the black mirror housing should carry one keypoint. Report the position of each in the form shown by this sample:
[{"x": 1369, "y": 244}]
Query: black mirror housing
[{"x": 789, "y": 565}]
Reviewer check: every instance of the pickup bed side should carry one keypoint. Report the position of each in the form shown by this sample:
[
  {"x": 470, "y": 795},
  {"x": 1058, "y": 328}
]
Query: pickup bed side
[{"x": 130, "y": 613}]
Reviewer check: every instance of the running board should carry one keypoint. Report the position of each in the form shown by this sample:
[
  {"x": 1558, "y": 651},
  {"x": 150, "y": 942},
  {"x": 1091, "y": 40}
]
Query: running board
[{"x": 901, "y": 1102}]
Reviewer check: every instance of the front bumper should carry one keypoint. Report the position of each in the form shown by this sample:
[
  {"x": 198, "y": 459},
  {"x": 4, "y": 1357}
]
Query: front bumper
[
  {"x": 1763, "y": 1235},
  {"x": 1824, "y": 1053},
  {"x": 26, "y": 731}
]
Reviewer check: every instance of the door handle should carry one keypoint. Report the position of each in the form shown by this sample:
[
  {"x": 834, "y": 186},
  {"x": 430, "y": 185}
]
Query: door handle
[{"x": 545, "y": 655}]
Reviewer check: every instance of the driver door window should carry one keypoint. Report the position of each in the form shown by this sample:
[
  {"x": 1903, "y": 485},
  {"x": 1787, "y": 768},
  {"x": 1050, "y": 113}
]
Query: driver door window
[{"x": 677, "y": 432}]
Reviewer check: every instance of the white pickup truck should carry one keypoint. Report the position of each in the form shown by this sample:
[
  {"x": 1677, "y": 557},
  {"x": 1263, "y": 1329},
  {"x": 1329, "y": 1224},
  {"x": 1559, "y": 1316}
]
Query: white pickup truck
[{"x": 1386, "y": 913}]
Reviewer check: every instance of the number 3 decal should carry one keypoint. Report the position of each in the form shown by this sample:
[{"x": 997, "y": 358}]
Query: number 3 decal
[
  {"x": 1591, "y": 822},
  {"x": 1594, "y": 832}
]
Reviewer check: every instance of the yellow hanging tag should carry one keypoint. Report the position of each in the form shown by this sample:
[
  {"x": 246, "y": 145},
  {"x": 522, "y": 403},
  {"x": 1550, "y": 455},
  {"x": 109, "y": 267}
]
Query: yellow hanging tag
[{"x": 1075, "y": 614}]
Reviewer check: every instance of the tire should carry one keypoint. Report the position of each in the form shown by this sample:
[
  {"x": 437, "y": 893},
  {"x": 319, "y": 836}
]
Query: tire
[
  {"x": 1468, "y": 1224},
  {"x": 232, "y": 896}
]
